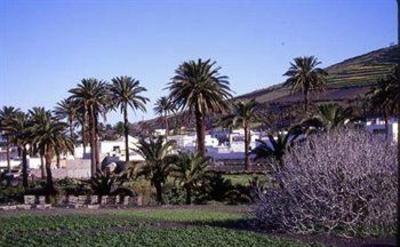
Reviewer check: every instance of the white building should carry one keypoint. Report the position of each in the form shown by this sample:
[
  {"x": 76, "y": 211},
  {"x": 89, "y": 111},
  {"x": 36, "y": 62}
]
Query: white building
[{"x": 377, "y": 126}]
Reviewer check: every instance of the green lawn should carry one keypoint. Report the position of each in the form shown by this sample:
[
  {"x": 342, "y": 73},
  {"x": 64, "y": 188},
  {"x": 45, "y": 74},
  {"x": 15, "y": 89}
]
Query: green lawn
[
  {"x": 142, "y": 227},
  {"x": 242, "y": 179}
]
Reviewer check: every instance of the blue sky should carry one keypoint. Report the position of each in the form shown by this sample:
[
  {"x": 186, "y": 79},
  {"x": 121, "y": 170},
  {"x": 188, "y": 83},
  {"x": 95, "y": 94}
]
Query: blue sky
[{"x": 46, "y": 47}]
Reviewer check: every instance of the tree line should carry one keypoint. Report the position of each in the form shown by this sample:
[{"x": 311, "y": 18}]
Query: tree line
[{"x": 197, "y": 87}]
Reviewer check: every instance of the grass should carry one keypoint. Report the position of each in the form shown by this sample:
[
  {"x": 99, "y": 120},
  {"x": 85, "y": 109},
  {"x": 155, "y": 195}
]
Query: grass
[
  {"x": 142, "y": 227},
  {"x": 184, "y": 215}
]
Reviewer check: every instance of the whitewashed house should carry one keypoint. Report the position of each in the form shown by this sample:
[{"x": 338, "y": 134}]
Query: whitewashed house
[{"x": 377, "y": 126}]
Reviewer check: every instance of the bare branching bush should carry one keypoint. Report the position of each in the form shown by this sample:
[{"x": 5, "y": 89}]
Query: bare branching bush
[{"x": 343, "y": 182}]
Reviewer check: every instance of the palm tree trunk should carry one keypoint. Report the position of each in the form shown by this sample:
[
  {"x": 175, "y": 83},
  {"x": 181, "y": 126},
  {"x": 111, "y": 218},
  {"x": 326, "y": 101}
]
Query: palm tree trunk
[
  {"x": 160, "y": 199},
  {"x": 42, "y": 167},
  {"x": 188, "y": 195},
  {"x": 246, "y": 147},
  {"x": 8, "y": 154},
  {"x": 49, "y": 178},
  {"x": 97, "y": 144},
  {"x": 166, "y": 126},
  {"x": 24, "y": 167},
  {"x": 84, "y": 132},
  {"x": 201, "y": 132},
  {"x": 126, "y": 133},
  {"x": 92, "y": 144},
  {"x": 71, "y": 129}
]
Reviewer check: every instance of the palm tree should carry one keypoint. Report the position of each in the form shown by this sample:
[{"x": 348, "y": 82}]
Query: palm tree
[
  {"x": 304, "y": 75},
  {"x": 243, "y": 115},
  {"x": 20, "y": 136},
  {"x": 68, "y": 109},
  {"x": 158, "y": 162},
  {"x": 93, "y": 97},
  {"x": 163, "y": 107},
  {"x": 126, "y": 92},
  {"x": 329, "y": 117},
  {"x": 38, "y": 117},
  {"x": 7, "y": 114},
  {"x": 51, "y": 136},
  {"x": 379, "y": 100},
  {"x": 190, "y": 170},
  {"x": 277, "y": 147},
  {"x": 199, "y": 88}
]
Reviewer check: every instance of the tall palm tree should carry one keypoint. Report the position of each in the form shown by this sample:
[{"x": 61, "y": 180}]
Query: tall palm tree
[
  {"x": 243, "y": 115},
  {"x": 304, "y": 75},
  {"x": 190, "y": 170},
  {"x": 126, "y": 92},
  {"x": 93, "y": 96},
  {"x": 7, "y": 114},
  {"x": 163, "y": 107},
  {"x": 38, "y": 117},
  {"x": 68, "y": 109},
  {"x": 199, "y": 88},
  {"x": 158, "y": 162},
  {"x": 21, "y": 137},
  {"x": 52, "y": 137},
  {"x": 329, "y": 117}
]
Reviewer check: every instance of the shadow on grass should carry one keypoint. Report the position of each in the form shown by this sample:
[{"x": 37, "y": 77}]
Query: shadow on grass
[{"x": 317, "y": 239}]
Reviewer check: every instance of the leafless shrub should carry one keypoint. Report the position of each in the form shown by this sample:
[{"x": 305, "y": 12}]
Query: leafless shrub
[{"x": 343, "y": 181}]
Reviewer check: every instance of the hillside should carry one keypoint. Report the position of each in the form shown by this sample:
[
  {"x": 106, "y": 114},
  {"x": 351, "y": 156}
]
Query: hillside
[{"x": 347, "y": 80}]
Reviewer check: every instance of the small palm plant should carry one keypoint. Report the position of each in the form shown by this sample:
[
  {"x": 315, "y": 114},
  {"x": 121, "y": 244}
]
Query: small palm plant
[
  {"x": 199, "y": 88},
  {"x": 190, "y": 170},
  {"x": 329, "y": 117},
  {"x": 304, "y": 75},
  {"x": 277, "y": 147},
  {"x": 126, "y": 93},
  {"x": 243, "y": 115},
  {"x": 158, "y": 162}
]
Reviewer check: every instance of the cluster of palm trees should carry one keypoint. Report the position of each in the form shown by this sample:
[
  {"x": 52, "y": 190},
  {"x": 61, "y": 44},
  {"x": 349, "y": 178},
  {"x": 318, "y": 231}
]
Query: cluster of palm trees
[
  {"x": 36, "y": 132},
  {"x": 197, "y": 88}
]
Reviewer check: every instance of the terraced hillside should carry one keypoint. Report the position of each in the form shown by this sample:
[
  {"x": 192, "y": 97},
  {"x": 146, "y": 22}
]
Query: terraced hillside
[{"x": 347, "y": 80}]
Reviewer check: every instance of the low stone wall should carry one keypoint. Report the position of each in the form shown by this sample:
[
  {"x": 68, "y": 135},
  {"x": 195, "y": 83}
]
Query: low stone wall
[{"x": 82, "y": 201}]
